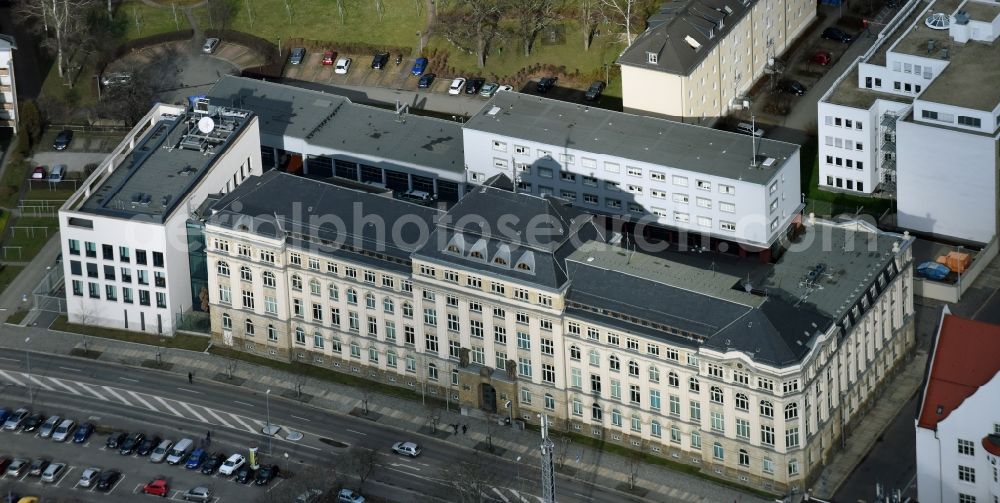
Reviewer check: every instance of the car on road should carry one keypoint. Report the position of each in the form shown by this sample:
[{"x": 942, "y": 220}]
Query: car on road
[
  {"x": 89, "y": 477},
  {"x": 298, "y": 54},
  {"x": 33, "y": 422},
  {"x": 196, "y": 458},
  {"x": 63, "y": 139},
  {"x": 328, "y": 57},
  {"x": 265, "y": 474},
  {"x": 546, "y": 83},
  {"x": 792, "y": 87},
  {"x": 38, "y": 174},
  {"x": 245, "y": 474},
  {"x": 419, "y": 66},
  {"x": 18, "y": 468},
  {"x": 147, "y": 446},
  {"x": 380, "y": 60},
  {"x": 426, "y": 81},
  {"x": 107, "y": 480},
  {"x": 488, "y": 89},
  {"x": 156, "y": 487},
  {"x": 16, "y": 420},
  {"x": 837, "y": 35},
  {"x": 212, "y": 463},
  {"x": 456, "y": 86},
  {"x": 473, "y": 85},
  {"x": 821, "y": 58},
  {"x": 82, "y": 434},
  {"x": 115, "y": 440},
  {"x": 410, "y": 449},
  {"x": 160, "y": 452},
  {"x": 49, "y": 426},
  {"x": 210, "y": 45},
  {"x": 131, "y": 443},
  {"x": 343, "y": 66},
  {"x": 200, "y": 494},
  {"x": 230, "y": 465},
  {"x": 349, "y": 496},
  {"x": 53, "y": 472},
  {"x": 4, "y": 463},
  {"x": 505, "y": 87},
  {"x": 38, "y": 467},
  {"x": 595, "y": 90}
]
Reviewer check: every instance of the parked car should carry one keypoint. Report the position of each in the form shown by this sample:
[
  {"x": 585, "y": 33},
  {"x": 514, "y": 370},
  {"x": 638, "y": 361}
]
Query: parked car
[
  {"x": 298, "y": 54},
  {"x": 265, "y": 474},
  {"x": 380, "y": 60},
  {"x": 64, "y": 430},
  {"x": 88, "y": 477},
  {"x": 473, "y": 85},
  {"x": 210, "y": 45},
  {"x": 147, "y": 446},
  {"x": 63, "y": 139},
  {"x": 410, "y": 449},
  {"x": 505, "y": 87},
  {"x": 245, "y": 474},
  {"x": 38, "y": 173},
  {"x": 212, "y": 463},
  {"x": 33, "y": 422},
  {"x": 747, "y": 128},
  {"x": 15, "y": 420},
  {"x": 419, "y": 66},
  {"x": 546, "y": 83},
  {"x": 232, "y": 464},
  {"x": 115, "y": 440},
  {"x": 116, "y": 79},
  {"x": 49, "y": 426},
  {"x": 159, "y": 454},
  {"x": 426, "y": 81},
  {"x": 18, "y": 468},
  {"x": 456, "y": 86},
  {"x": 38, "y": 467},
  {"x": 349, "y": 496},
  {"x": 328, "y": 58},
  {"x": 131, "y": 443},
  {"x": 58, "y": 173},
  {"x": 82, "y": 434},
  {"x": 343, "y": 66},
  {"x": 53, "y": 472},
  {"x": 180, "y": 451},
  {"x": 595, "y": 90},
  {"x": 821, "y": 58},
  {"x": 489, "y": 89},
  {"x": 4, "y": 463},
  {"x": 200, "y": 494},
  {"x": 836, "y": 34},
  {"x": 196, "y": 458},
  {"x": 792, "y": 87},
  {"x": 310, "y": 496},
  {"x": 156, "y": 487},
  {"x": 107, "y": 480}
]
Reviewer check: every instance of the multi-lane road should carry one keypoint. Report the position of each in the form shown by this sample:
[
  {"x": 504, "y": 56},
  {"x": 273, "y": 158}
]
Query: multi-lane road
[{"x": 157, "y": 402}]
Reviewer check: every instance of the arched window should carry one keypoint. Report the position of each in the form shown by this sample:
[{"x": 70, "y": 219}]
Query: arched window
[
  {"x": 248, "y": 327},
  {"x": 335, "y": 344},
  {"x": 500, "y": 261},
  {"x": 407, "y": 310},
  {"x": 318, "y": 341},
  {"x": 655, "y": 429},
  {"x": 791, "y": 411},
  {"x": 716, "y": 394},
  {"x": 673, "y": 380},
  {"x": 744, "y": 457},
  {"x": 693, "y": 385},
  {"x": 718, "y": 452},
  {"x": 633, "y": 368},
  {"x": 269, "y": 279},
  {"x": 616, "y": 417},
  {"x": 654, "y": 374},
  {"x": 369, "y": 301},
  {"x": 272, "y": 333},
  {"x": 476, "y": 254},
  {"x": 245, "y": 274},
  {"x": 524, "y": 266},
  {"x": 766, "y": 409},
  {"x": 333, "y": 292},
  {"x": 742, "y": 402},
  {"x": 432, "y": 372},
  {"x": 595, "y": 413},
  {"x": 223, "y": 268},
  {"x": 636, "y": 423},
  {"x": 614, "y": 363},
  {"x": 388, "y": 306},
  {"x": 227, "y": 321},
  {"x": 453, "y": 249},
  {"x": 574, "y": 353},
  {"x": 352, "y": 296},
  {"x": 300, "y": 335},
  {"x": 315, "y": 288},
  {"x": 296, "y": 283},
  {"x": 595, "y": 358}
]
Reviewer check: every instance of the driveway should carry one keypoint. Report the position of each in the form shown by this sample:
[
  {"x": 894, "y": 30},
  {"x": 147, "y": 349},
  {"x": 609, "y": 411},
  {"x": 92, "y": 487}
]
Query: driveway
[{"x": 180, "y": 69}]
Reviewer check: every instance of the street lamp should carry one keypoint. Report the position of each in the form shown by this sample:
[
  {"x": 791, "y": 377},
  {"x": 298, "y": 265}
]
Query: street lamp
[
  {"x": 269, "y": 430},
  {"x": 517, "y": 473},
  {"x": 27, "y": 359}
]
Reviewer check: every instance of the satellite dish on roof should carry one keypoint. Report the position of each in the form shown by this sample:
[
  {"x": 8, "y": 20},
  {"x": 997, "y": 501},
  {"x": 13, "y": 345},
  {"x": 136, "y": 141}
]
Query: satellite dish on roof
[{"x": 206, "y": 125}]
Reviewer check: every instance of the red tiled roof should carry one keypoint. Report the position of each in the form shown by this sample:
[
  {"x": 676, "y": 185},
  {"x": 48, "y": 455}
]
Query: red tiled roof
[
  {"x": 992, "y": 444},
  {"x": 966, "y": 356}
]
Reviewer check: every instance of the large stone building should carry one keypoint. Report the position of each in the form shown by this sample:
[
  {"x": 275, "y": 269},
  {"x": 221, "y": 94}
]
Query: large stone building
[
  {"x": 749, "y": 370},
  {"x": 8, "y": 87}
]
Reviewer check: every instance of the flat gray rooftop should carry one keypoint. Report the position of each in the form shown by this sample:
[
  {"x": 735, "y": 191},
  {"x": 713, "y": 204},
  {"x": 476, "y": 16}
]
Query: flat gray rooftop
[
  {"x": 168, "y": 161},
  {"x": 647, "y": 139},
  {"x": 848, "y": 93},
  {"x": 335, "y": 122}
]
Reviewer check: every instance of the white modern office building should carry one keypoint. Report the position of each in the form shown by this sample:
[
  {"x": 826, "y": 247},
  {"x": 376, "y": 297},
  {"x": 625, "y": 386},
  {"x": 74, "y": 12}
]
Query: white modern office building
[
  {"x": 958, "y": 422},
  {"x": 124, "y": 236},
  {"x": 916, "y": 118},
  {"x": 731, "y": 187},
  {"x": 8, "y": 87}
]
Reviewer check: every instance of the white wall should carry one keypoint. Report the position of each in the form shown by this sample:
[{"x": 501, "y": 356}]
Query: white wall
[
  {"x": 947, "y": 181},
  {"x": 8, "y": 98},
  {"x": 830, "y": 133}
]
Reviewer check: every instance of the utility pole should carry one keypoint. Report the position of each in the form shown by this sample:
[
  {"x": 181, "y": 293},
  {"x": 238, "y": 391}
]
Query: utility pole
[{"x": 548, "y": 468}]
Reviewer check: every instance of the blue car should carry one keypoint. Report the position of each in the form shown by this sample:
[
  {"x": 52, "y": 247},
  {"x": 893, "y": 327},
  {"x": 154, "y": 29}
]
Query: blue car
[
  {"x": 4, "y": 414},
  {"x": 419, "y": 66},
  {"x": 196, "y": 459},
  {"x": 83, "y": 433}
]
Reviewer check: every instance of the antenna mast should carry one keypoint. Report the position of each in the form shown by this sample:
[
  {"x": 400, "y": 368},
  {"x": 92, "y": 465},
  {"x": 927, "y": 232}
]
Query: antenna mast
[
  {"x": 548, "y": 468},
  {"x": 753, "y": 140}
]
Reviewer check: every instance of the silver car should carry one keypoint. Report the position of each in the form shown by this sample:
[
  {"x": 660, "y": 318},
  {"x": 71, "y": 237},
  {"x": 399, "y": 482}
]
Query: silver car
[
  {"x": 210, "y": 45},
  {"x": 160, "y": 452},
  {"x": 89, "y": 477},
  {"x": 199, "y": 493},
  {"x": 64, "y": 430},
  {"x": 15, "y": 420},
  {"x": 49, "y": 426},
  {"x": 53, "y": 472}
]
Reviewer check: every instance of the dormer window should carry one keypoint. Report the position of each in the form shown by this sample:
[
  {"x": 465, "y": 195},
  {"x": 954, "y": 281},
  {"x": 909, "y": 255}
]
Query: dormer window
[
  {"x": 526, "y": 262},
  {"x": 456, "y": 245},
  {"x": 453, "y": 249},
  {"x": 478, "y": 250},
  {"x": 524, "y": 267},
  {"x": 502, "y": 256},
  {"x": 652, "y": 58},
  {"x": 500, "y": 261},
  {"x": 477, "y": 254}
]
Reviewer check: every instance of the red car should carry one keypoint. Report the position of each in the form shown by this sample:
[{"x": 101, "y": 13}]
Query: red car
[
  {"x": 38, "y": 173},
  {"x": 157, "y": 487},
  {"x": 822, "y": 58},
  {"x": 328, "y": 58}
]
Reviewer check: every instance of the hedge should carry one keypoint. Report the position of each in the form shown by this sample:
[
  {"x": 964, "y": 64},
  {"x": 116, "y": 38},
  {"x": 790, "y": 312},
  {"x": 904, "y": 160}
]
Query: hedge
[{"x": 274, "y": 62}]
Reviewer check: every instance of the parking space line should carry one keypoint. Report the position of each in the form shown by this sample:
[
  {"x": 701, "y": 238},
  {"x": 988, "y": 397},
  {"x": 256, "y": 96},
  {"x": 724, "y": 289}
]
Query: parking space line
[
  {"x": 141, "y": 400},
  {"x": 117, "y": 484},
  {"x": 275, "y": 484},
  {"x": 167, "y": 405},
  {"x": 192, "y": 411},
  {"x": 11, "y": 378},
  {"x": 219, "y": 418},
  {"x": 65, "y": 473},
  {"x": 91, "y": 391},
  {"x": 116, "y": 395},
  {"x": 238, "y": 420},
  {"x": 64, "y": 386}
]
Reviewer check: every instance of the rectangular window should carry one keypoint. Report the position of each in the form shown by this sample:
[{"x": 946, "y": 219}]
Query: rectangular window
[
  {"x": 966, "y": 447},
  {"x": 680, "y": 181}
]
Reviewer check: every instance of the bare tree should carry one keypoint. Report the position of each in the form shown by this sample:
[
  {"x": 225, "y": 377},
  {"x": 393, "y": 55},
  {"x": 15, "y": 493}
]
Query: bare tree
[
  {"x": 590, "y": 15},
  {"x": 624, "y": 10},
  {"x": 249, "y": 12},
  {"x": 634, "y": 462},
  {"x": 220, "y": 13},
  {"x": 361, "y": 463},
  {"x": 288, "y": 10},
  {"x": 309, "y": 478},
  {"x": 379, "y": 9},
  {"x": 491, "y": 426},
  {"x": 472, "y": 476},
  {"x": 231, "y": 364},
  {"x": 562, "y": 443},
  {"x": 301, "y": 379},
  {"x": 476, "y": 24},
  {"x": 533, "y": 16},
  {"x": 66, "y": 18}
]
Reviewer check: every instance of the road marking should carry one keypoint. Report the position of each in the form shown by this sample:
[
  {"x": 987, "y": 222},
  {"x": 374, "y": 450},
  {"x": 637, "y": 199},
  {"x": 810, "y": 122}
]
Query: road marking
[
  {"x": 357, "y": 432},
  {"x": 216, "y": 416},
  {"x": 116, "y": 395},
  {"x": 238, "y": 420},
  {"x": 167, "y": 405},
  {"x": 243, "y": 403},
  {"x": 91, "y": 391},
  {"x": 189, "y": 390},
  {"x": 584, "y": 496},
  {"x": 71, "y": 369},
  {"x": 128, "y": 379},
  {"x": 64, "y": 386},
  {"x": 9, "y": 359},
  {"x": 196, "y": 414},
  {"x": 411, "y": 467},
  {"x": 500, "y": 494},
  {"x": 142, "y": 400},
  {"x": 40, "y": 383},
  {"x": 11, "y": 378},
  {"x": 301, "y": 418}
]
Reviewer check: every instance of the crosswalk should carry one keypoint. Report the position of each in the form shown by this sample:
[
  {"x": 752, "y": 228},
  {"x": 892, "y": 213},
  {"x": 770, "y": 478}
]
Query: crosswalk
[
  {"x": 154, "y": 403},
  {"x": 508, "y": 495}
]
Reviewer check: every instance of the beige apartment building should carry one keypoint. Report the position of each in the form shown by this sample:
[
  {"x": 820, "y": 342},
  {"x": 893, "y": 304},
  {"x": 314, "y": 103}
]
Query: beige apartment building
[
  {"x": 698, "y": 57},
  {"x": 750, "y": 371},
  {"x": 8, "y": 89}
]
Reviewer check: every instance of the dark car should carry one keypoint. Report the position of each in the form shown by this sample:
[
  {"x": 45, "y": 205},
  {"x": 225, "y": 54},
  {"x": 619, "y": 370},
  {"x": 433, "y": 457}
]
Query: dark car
[
  {"x": 107, "y": 480},
  {"x": 792, "y": 87},
  {"x": 419, "y": 66},
  {"x": 426, "y": 81},
  {"x": 4, "y": 414},
  {"x": 82, "y": 434},
  {"x": 4, "y": 464},
  {"x": 130, "y": 444},
  {"x": 380, "y": 60},
  {"x": 595, "y": 90},
  {"x": 545, "y": 83},
  {"x": 33, "y": 422},
  {"x": 245, "y": 474},
  {"x": 473, "y": 85},
  {"x": 213, "y": 463},
  {"x": 836, "y": 34},
  {"x": 298, "y": 54},
  {"x": 265, "y": 474},
  {"x": 115, "y": 440},
  {"x": 147, "y": 445},
  {"x": 63, "y": 139},
  {"x": 37, "y": 467}
]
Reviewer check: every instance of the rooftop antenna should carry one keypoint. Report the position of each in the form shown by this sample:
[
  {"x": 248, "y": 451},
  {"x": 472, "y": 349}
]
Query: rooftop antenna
[{"x": 753, "y": 140}]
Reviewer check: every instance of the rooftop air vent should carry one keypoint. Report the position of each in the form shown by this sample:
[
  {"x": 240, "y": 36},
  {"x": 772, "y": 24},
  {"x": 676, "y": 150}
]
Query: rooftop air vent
[
  {"x": 692, "y": 42},
  {"x": 962, "y": 17},
  {"x": 493, "y": 111},
  {"x": 937, "y": 21}
]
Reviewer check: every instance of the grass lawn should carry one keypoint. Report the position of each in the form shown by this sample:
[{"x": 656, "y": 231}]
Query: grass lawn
[
  {"x": 143, "y": 20},
  {"x": 38, "y": 192},
  {"x": 83, "y": 93},
  {"x": 179, "y": 341},
  {"x": 17, "y": 317},
  {"x": 4, "y": 218},
  {"x": 30, "y": 241},
  {"x": 13, "y": 177},
  {"x": 7, "y": 275},
  {"x": 824, "y": 203}
]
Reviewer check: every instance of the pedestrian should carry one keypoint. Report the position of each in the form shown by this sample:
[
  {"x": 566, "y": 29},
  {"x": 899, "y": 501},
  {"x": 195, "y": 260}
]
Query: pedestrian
[
  {"x": 208, "y": 435},
  {"x": 465, "y": 428},
  {"x": 455, "y": 427},
  {"x": 190, "y": 378}
]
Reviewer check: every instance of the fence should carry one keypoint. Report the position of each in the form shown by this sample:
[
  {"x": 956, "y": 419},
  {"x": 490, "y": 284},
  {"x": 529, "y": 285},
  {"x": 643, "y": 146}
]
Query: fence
[
  {"x": 50, "y": 294},
  {"x": 40, "y": 207}
]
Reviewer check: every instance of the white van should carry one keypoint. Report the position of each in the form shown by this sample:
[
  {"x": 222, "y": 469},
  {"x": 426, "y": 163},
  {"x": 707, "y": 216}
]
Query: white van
[
  {"x": 747, "y": 128},
  {"x": 180, "y": 451},
  {"x": 57, "y": 173}
]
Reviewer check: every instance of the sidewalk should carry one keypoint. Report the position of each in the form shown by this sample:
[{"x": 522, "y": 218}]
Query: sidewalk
[{"x": 590, "y": 465}]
